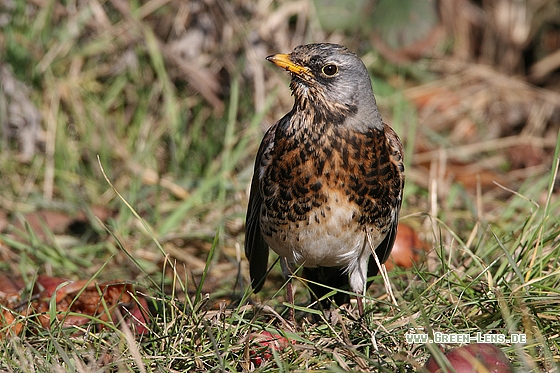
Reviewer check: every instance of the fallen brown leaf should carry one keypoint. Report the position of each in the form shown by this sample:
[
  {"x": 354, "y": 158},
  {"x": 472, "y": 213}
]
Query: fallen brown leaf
[
  {"x": 84, "y": 299},
  {"x": 407, "y": 250}
]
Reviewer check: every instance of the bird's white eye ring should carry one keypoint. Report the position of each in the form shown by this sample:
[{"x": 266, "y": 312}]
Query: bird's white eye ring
[{"x": 330, "y": 69}]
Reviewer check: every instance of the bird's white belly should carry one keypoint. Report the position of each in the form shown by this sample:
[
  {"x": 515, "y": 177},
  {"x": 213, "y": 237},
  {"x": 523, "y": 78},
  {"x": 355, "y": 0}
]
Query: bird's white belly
[{"x": 329, "y": 238}]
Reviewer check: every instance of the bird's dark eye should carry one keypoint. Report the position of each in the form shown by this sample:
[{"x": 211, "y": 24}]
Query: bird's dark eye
[{"x": 330, "y": 70}]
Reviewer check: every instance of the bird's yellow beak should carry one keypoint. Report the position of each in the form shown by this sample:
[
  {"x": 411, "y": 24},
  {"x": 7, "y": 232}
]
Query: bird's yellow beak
[{"x": 283, "y": 61}]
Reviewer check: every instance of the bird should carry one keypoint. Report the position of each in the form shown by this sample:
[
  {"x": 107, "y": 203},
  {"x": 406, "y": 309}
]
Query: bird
[{"x": 328, "y": 179}]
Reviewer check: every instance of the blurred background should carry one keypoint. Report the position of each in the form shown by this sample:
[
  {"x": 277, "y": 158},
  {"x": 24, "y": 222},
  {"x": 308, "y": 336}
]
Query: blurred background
[{"x": 166, "y": 101}]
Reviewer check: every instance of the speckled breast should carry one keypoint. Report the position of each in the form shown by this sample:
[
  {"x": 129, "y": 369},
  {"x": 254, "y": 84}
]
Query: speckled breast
[{"x": 322, "y": 193}]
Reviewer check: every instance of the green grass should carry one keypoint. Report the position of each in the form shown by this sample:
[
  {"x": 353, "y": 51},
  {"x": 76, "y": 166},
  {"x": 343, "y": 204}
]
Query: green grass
[
  {"x": 114, "y": 106},
  {"x": 488, "y": 287}
]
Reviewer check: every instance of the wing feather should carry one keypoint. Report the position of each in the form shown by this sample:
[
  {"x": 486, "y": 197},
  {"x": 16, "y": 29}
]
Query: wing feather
[{"x": 256, "y": 248}]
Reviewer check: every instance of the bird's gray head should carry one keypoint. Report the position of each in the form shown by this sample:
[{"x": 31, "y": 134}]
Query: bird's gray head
[{"x": 330, "y": 79}]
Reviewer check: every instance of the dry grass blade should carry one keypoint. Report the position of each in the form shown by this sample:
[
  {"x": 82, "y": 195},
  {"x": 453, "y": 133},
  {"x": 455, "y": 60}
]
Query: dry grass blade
[
  {"x": 545, "y": 66},
  {"x": 19, "y": 117},
  {"x": 467, "y": 151}
]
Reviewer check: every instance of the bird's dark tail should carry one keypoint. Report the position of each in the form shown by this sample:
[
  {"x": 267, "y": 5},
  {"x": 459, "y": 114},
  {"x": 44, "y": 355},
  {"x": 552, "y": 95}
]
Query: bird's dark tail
[{"x": 334, "y": 277}]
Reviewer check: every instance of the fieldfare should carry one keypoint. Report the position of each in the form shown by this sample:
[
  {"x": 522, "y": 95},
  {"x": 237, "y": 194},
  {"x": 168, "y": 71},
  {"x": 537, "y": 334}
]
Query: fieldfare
[{"x": 328, "y": 179}]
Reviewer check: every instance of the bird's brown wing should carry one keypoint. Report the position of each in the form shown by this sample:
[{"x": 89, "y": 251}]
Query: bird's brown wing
[
  {"x": 384, "y": 249},
  {"x": 394, "y": 141},
  {"x": 256, "y": 249}
]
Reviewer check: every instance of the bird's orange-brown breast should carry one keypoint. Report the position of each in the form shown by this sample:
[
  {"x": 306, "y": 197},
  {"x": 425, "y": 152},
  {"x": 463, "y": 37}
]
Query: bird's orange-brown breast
[{"x": 330, "y": 179}]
